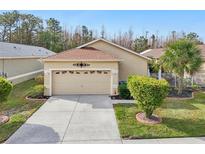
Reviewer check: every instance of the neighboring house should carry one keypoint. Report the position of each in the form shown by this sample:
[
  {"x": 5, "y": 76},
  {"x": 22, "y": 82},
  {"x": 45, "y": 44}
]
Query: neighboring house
[
  {"x": 93, "y": 68},
  {"x": 198, "y": 78},
  {"x": 20, "y": 62}
]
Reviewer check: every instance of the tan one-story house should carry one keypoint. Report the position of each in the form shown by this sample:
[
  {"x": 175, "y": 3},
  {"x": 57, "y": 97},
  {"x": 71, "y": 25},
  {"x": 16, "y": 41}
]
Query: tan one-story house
[
  {"x": 198, "y": 78},
  {"x": 20, "y": 62},
  {"x": 92, "y": 68}
]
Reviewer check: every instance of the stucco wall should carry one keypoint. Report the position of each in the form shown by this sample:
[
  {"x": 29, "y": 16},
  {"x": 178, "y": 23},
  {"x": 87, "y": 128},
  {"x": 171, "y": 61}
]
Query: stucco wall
[
  {"x": 14, "y": 67},
  {"x": 49, "y": 66},
  {"x": 130, "y": 64},
  {"x": 199, "y": 77}
]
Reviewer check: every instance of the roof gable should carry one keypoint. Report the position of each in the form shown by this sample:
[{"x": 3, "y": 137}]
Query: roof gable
[{"x": 113, "y": 44}]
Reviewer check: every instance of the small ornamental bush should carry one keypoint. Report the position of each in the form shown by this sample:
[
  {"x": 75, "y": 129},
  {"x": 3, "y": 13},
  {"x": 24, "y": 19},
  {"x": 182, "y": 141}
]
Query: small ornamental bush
[
  {"x": 36, "y": 91},
  {"x": 148, "y": 92},
  {"x": 196, "y": 87},
  {"x": 124, "y": 91},
  {"x": 5, "y": 89},
  {"x": 39, "y": 79}
]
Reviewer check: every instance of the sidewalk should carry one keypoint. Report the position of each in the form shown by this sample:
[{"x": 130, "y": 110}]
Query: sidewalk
[{"x": 190, "y": 140}]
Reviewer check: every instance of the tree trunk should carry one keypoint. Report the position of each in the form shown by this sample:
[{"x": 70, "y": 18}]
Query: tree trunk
[
  {"x": 148, "y": 113},
  {"x": 180, "y": 87}
]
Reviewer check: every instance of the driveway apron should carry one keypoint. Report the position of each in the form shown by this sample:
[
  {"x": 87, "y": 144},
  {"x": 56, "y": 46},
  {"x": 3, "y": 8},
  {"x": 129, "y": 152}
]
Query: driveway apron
[{"x": 71, "y": 119}]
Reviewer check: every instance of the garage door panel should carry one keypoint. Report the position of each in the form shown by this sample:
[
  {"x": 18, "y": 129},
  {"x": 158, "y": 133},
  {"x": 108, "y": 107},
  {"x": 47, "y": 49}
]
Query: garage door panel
[{"x": 95, "y": 83}]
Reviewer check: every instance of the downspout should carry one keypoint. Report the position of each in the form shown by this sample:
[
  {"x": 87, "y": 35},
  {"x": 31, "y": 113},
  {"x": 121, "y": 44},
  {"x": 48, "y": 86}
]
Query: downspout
[
  {"x": 4, "y": 73},
  {"x": 3, "y": 67},
  {"x": 148, "y": 71},
  {"x": 160, "y": 73}
]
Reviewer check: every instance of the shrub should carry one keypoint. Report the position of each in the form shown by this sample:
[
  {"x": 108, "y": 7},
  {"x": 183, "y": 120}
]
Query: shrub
[
  {"x": 196, "y": 87},
  {"x": 39, "y": 79},
  {"x": 36, "y": 91},
  {"x": 124, "y": 91},
  {"x": 5, "y": 89},
  {"x": 148, "y": 92}
]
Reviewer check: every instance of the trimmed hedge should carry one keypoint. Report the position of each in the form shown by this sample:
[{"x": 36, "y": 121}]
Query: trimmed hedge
[
  {"x": 5, "y": 89},
  {"x": 124, "y": 91},
  {"x": 148, "y": 92},
  {"x": 36, "y": 91}
]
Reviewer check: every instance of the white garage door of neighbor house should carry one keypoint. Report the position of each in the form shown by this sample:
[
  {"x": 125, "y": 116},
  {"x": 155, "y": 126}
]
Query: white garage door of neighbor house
[{"x": 81, "y": 82}]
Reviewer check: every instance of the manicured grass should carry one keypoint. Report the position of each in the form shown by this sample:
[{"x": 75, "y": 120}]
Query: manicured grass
[
  {"x": 180, "y": 118},
  {"x": 18, "y": 108}
]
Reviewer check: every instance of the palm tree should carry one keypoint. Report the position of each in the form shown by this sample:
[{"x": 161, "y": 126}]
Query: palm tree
[{"x": 181, "y": 56}]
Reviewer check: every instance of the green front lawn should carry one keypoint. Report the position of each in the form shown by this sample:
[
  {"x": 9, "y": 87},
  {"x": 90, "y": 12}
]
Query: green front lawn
[
  {"x": 180, "y": 118},
  {"x": 18, "y": 108}
]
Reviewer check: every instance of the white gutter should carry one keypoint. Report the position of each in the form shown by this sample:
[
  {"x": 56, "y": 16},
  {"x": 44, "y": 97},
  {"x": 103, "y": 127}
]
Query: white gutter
[
  {"x": 148, "y": 50},
  {"x": 24, "y": 75}
]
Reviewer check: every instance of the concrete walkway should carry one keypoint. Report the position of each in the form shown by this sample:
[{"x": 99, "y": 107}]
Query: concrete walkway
[
  {"x": 187, "y": 140},
  {"x": 71, "y": 119}
]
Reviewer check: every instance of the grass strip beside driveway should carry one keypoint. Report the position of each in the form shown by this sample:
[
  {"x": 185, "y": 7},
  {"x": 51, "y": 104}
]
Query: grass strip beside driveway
[
  {"x": 18, "y": 108},
  {"x": 180, "y": 118}
]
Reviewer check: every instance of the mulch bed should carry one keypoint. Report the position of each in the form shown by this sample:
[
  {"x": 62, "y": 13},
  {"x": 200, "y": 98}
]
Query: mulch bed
[
  {"x": 151, "y": 121},
  {"x": 113, "y": 97},
  {"x": 37, "y": 98},
  {"x": 3, "y": 119},
  {"x": 187, "y": 93}
]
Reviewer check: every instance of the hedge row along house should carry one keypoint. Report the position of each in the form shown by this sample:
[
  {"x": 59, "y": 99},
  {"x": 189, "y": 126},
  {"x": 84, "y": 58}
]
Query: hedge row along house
[
  {"x": 198, "y": 78},
  {"x": 20, "y": 62}
]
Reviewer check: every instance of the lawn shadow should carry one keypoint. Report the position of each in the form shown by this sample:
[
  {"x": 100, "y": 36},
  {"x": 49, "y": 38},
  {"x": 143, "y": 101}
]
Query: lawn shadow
[
  {"x": 189, "y": 104},
  {"x": 179, "y": 105},
  {"x": 188, "y": 126},
  {"x": 34, "y": 134}
]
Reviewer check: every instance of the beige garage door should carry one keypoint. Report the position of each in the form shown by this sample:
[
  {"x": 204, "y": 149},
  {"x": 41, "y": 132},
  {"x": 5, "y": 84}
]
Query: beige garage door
[{"x": 81, "y": 82}]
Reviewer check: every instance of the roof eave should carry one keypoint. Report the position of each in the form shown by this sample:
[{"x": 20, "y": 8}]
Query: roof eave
[{"x": 89, "y": 60}]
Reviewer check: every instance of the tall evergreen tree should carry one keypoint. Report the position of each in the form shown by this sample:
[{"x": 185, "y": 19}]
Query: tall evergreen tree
[{"x": 141, "y": 44}]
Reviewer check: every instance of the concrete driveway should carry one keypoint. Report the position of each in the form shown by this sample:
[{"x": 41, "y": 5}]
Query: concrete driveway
[{"x": 71, "y": 119}]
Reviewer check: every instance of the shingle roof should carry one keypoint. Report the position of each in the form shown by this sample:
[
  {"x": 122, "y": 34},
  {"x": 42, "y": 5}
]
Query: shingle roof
[
  {"x": 153, "y": 53},
  {"x": 87, "y": 53},
  {"x": 157, "y": 53},
  {"x": 20, "y": 50}
]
